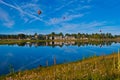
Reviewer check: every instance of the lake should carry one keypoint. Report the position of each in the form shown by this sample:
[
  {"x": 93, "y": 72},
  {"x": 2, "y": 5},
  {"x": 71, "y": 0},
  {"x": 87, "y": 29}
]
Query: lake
[{"x": 31, "y": 55}]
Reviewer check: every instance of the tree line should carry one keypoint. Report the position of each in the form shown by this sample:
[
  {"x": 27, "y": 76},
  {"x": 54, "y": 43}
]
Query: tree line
[{"x": 43, "y": 37}]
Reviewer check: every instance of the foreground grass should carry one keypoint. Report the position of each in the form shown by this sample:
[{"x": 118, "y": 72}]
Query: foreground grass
[{"x": 94, "y": 68}]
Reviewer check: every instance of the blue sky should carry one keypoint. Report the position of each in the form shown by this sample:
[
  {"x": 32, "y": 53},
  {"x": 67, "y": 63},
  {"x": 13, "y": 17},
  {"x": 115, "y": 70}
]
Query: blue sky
[{"x": 67, "y": 16}]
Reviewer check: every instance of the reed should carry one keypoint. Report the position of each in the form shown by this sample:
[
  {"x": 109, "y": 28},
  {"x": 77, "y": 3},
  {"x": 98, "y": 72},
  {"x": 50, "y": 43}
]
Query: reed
[
  {"x": 94, "y": 68},
  {"x": 118, "y": 60},
  {"x": 47, "y": 63},
  {"x": 54, "y": 60}
]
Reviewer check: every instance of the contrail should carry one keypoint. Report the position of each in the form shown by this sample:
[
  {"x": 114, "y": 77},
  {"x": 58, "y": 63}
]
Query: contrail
[
  {"x": 57, "y": 9},
  {"x": 61, "y": 7},
  {"x": 20, "y": 10}
]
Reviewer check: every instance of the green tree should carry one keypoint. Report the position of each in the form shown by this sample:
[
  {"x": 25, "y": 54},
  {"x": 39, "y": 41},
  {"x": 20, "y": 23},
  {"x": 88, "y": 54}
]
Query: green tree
[
  {"x": 53, "y": 33},
  {"x": 67, "y": 34},
  {"x": 60, "y": 34},
  {"x": 21, "y": 36}
]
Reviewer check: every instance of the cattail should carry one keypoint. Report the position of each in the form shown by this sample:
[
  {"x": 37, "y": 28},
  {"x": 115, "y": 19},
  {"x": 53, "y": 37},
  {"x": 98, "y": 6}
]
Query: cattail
[
  {"x": 118, "y": 61},
  {"x": 54, "y": 60},
  {"x": 114, "y": 61}
]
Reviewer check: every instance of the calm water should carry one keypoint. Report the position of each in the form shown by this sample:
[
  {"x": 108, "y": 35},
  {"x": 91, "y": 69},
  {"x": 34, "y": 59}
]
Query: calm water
[{"x": 28, "y": 56}]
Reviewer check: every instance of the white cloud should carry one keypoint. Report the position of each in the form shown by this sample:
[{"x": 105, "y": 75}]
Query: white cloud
[
  {"x": 111, "y": 29},
  {"x": 79, "y": 27},
  {"x": 30, "y": 8},
  {"x": 64, "y": 18},
  {"x": 6, "y": 19},
  {"x": 22, "y": 11},
  {"x": 73, "y": 12},
  {"x": 92, "y": 24},
  {"x": 63, "y": 6},
  {"x": 28, "y": 11},
  {"x": 34, "y": 1},
  {"x": 9, "y": 23},
  {"x": 70, "y": 17},
  {"x": 83, "y": 7},
  {"x": 84, "y": 1},
  {"x": 72, "y": 2}
]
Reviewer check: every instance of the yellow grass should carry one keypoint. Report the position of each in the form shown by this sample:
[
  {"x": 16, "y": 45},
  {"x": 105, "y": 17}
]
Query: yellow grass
[{"x": 94, "y": 68}]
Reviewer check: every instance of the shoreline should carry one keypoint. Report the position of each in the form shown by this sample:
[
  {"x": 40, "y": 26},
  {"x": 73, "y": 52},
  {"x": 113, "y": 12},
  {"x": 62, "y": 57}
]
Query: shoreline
[
  {"x": 12, "y": 41},
  {"x": 95, "y": 67}
]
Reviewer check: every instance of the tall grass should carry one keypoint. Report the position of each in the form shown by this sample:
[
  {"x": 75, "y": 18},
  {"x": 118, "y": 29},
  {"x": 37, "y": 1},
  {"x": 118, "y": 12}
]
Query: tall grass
[{"x": 94, "y": 68}]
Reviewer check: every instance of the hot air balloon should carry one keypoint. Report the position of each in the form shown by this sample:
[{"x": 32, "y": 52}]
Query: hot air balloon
[
  {"x": 39, "y": 12},
  {"x": 100, "y": 30},
  {"x": 63, "y": 17}
]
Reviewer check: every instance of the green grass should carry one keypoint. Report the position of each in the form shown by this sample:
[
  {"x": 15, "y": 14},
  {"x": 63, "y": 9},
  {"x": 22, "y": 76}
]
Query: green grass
[
  {"x": 94, "y": 68},
  {"x": 77, "y": 40}
]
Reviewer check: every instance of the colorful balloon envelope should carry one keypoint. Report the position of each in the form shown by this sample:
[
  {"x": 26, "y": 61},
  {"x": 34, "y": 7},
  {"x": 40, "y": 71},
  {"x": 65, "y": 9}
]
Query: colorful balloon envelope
[{"x": 39, "y": 12}]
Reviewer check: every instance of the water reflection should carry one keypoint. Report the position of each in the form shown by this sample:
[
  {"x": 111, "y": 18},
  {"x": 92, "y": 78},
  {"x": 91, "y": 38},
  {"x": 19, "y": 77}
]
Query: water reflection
[
  {"x": 26, "y": 56},
  {"x": 66, "y": 43}
]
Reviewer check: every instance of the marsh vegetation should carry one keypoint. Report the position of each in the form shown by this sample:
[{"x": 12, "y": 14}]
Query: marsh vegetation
[{"x": 93, "y": 68}]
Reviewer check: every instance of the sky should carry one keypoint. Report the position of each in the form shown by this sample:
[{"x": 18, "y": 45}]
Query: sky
[{"x": 66, "y": 16}]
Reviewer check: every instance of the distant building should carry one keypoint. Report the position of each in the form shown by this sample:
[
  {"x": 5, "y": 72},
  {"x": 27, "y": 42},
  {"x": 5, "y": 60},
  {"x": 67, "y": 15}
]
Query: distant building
[
  {"x": 85, "y": 38},
  {"x": 55, "y": 37},
  {"x": 58, "y": 38},
  {"x": 69, "y": 38},
  {"x": 36, "y": 36},
  {"x": 51, "y": 37},
  {"x": 28, "y": 39},
  {"x": 46, "y": 37}
]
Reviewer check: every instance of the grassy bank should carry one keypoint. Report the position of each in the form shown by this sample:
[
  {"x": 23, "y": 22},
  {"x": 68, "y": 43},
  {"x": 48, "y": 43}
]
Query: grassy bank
[
  {"x": 18, "y": 41},
  {"x": 77, "y": 40},
  {"x": 94, "y": 68}
]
